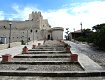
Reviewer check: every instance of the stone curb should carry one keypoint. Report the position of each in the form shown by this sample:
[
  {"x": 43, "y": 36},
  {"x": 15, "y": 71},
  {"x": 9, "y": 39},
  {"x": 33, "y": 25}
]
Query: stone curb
[
  {"x": 40, "y": 50},
  {"x": 40, "y": 62},
  {"x": 53, "y": 73},
  {"x": 48, "y": 52},
  {"x": 41, "y": 56}
]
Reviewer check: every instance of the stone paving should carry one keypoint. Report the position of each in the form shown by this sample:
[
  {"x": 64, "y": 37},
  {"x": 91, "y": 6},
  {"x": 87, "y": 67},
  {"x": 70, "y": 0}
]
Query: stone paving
[
  {"x": 96, "y": 55},
  {"x": 56, "y": 59},
  {"x": 49, "y": 78},
  {"x": 55, "y": 68},
  {"x": 62, "y": 67},
  {"x": 47, "y": 54},
  {"x": 40, "y": 59}
]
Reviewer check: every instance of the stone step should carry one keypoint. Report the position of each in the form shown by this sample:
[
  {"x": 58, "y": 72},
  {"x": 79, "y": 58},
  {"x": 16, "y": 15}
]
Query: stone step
[
  {"x": 53, "y": 48},
  {"x": 38, "y": 62},
  {"x": 40, "y": 59},
  {"x": 62, "y": 55},
  {"x": 42, "y": 56},
  {"x": 62, "y": 67},
  {"x": 40, "y": 50},
  {"x": 48, "y": 52},
  {"x": 52, "y": 73}
]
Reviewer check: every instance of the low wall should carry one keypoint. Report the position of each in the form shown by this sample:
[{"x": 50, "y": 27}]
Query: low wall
[{"x": 5, "y": 46}]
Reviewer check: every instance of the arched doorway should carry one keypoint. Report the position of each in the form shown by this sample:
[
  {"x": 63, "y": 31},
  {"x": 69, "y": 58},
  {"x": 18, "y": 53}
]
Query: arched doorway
[{"x": 48, "y": 37}]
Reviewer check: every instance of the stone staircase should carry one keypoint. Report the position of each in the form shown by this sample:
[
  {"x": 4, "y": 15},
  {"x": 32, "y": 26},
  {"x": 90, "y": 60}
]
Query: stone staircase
[
  {"x": 49, "y": 60},
  {"x": 44, "y": 60}
]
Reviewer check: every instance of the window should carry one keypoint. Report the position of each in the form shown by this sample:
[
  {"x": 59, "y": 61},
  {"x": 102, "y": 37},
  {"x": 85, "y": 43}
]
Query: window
[
  {"x": 36, "y": 31},
  {"x": 4, "y": 27},
  {"x": 31, "y": 30},
  {"x": 29, "y": 38}
]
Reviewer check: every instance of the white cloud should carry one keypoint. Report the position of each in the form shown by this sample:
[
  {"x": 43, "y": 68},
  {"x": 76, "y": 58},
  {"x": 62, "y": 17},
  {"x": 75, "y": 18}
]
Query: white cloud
[
  {"x": 90, "y": 14},
  {"x": 22, "y": 13},
  {"x": 2, "y": 15}
]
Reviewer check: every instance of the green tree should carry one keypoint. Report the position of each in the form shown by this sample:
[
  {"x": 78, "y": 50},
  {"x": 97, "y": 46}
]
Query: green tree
[
  {"x": 67, "y": 34},
  {"x": 99, "y": 36},
  {"x": 86, "y": 36}
]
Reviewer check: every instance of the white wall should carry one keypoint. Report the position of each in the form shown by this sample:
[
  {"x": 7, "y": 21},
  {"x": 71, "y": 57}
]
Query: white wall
[{"x": 57, "y": 35}]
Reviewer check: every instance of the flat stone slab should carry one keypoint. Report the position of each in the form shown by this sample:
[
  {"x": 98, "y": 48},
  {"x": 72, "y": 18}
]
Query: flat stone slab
[
  {"x": 52, "y": 73},
  {"x": 40, "y": 59},
  {"x": 48, "y": 52},
  {"x": 38, "y": 62},
  {"x": 49, "y": 78},
  {"x": 40, "y": 49},
  {"x": 46, "y": 56},
  {"x": 88, "y": 64},
  {"x": 62, "y": 55},
  {"x": 22, "y": 67}
]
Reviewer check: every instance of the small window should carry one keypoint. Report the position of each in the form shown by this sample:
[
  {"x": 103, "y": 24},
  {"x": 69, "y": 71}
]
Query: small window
[
  {"x": 49, "y": 26},
  {"x": 31, "y": 30},
  {"x": 36, "y": 31},
  {"x": 29, "y": 38},
  {"x": 4, "y": 27}
]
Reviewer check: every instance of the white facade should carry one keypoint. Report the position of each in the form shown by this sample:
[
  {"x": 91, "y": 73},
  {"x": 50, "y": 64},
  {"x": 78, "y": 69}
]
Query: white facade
[
  {"x": 57, "y": 33},
  {"x": 36, "y": 28}
]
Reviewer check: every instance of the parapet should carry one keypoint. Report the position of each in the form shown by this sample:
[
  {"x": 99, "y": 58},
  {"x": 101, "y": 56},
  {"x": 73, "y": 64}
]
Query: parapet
[{"x": 58, "y": 28}]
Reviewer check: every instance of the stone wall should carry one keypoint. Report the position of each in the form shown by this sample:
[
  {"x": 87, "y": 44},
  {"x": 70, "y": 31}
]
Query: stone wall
[
  {"x": 24, "y": 30},
  {"x": 57, "y": 33},
  {"x": 30, "y": 30}
]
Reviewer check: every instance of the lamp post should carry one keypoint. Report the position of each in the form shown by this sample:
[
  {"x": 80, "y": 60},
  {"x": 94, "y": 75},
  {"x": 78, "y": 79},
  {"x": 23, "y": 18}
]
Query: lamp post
[
  {"x": 10, "y": 23},
  {"x": 33, "y": 36},
  {"x": 27, "y": 36}
]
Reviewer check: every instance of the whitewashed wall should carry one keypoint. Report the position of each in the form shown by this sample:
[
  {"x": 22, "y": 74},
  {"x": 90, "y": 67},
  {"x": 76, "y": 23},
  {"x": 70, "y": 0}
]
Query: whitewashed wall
[{"x": 57, "y": 35}]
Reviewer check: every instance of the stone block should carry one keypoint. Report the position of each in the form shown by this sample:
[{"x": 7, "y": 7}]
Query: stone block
[
  {"x": 25, "y": 50},
  {"x": 6, "y": 58},
  {"x": 33, "y": 46},
  {"x": 39, "y": 44},
  {"x": 74, "y": 57},
  {"x": 68, "y": 49}
]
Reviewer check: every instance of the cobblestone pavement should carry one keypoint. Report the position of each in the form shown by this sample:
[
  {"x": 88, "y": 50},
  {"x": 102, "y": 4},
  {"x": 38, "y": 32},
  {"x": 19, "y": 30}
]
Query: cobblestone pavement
[
  {"x": 95, "y": 55},
  {"x": 62, "y": 67},
  {"x": 52, "y": 68},
  {"x": 61, "y": 54},
  {"x": 49, "y": 78},
  {"x": 40, "y": 59},
  {"x": 45, "y": 67}
]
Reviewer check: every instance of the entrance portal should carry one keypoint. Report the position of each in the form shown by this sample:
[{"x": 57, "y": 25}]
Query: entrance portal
[{"x": 48, "y": 37}]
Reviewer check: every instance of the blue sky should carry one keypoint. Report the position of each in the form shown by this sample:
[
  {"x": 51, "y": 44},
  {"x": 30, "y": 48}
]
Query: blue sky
[{"x": 63, "y": 13}]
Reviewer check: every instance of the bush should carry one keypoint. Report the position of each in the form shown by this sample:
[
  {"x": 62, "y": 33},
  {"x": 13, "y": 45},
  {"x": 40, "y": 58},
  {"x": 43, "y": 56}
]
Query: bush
[
  {"x": 81, "y": 38},
  {"x": 22, "y": 42}
]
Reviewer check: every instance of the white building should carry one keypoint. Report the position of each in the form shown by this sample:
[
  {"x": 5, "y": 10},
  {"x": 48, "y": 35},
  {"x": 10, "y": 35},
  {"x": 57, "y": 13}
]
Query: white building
[{"x": 36, "y": 28}]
